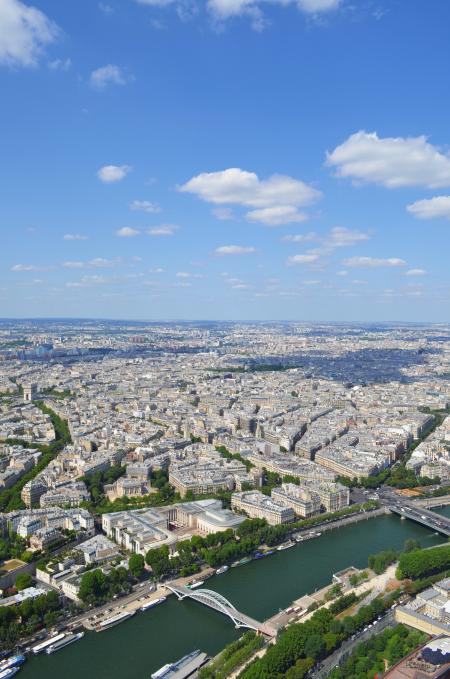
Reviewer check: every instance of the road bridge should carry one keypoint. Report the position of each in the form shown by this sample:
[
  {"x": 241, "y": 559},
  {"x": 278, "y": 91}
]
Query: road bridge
[
  {"x": 217, "y": 602},
  {"x": 427, "y": 518}
]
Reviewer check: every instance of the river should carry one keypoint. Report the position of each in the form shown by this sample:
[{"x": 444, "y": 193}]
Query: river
[{"x": 139, "y": 646}]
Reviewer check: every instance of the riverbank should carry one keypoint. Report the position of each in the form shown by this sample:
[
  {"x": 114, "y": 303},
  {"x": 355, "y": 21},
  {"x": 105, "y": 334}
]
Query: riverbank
[
  {"x": 260, "y": 589},
  {"x": 132, "y": 604}
]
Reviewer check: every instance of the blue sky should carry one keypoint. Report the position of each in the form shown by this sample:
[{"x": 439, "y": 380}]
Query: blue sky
[{"x": 228, "y": 159}]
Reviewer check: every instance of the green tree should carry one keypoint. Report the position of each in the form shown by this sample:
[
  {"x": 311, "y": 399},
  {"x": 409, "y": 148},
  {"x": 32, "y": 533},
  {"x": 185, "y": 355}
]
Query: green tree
[
  {"x": 136, "y": 565},
  {"x": 23, "y": 581},
  {"x": 315, "y": 646},
  {"x": 411, "y": 545},
  {"x": 158, "y": 560}
]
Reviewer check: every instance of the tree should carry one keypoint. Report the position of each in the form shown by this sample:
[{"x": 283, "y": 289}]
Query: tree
[
  {"x": 315, "y": 646},
  {"x": 379, "y": 562},
  {"x": 93, "y": 586},
  {"x": 23, "y": 581},
  {"x": 158, "y": 560},
  {"x": 136, "y": 565},
  {"x": 411, "y": 545}
]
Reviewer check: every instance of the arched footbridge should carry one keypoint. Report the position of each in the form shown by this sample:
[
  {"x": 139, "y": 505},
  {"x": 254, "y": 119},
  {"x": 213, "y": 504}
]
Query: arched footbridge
[{"x": 217, "y": 602}]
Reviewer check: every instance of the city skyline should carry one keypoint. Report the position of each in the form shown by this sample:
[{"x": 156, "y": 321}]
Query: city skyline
[{"x": 246, "y": 161}]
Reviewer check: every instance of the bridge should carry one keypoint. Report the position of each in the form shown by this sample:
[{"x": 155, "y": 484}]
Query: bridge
[
  {"x": 436, "y": 522},
  {"x": 217, "y": 602}
]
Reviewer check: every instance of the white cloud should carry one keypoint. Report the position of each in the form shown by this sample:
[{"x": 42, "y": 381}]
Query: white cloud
[
  {"x": 60, "y": 64},
  {"x": 26, "y": 267},
  {"x": 373, "y": 262},
  {"x": 223, "y": 213},
  {"x": 102, "y": 263},
  {"x": 234, "y": 250},
  {"x": 75, "y": 236},
  {"x": 158, "y": 269},
  {"x": 127, "y": 232},
  {"x": 73, "y": 265},
  {"x": 188, "y": 274},
  {"x": 24, "y": 33},
  {"x": 275, "y": 199},
  {"x": 392, "y": 162},
  {"x": 155, "y": 3},
  {"x": 87, "y": 282},
  {"x": 113, "y": 173},
  {"x": 223, "y": 10},
  {"x": 163, "y": 230},
  {"x": 318, "y": 6},
  {"x": 341, "y": 237},
  {"x": 342, "y": 273},
  {"x": 415, "y": 272},
  {"x": 277, "y": 215},
  {"x": 226, "y": 9},
  {"x": 144, "y": 206},
  {"x": 245, "y": 188},
  {"x": 107, "y": 75},
  {"x": 302, "y": 259},
  {"x": 433, "y": 208},
  {"x": 105, "y": 8},
  {"x": 301, "y": 237}
]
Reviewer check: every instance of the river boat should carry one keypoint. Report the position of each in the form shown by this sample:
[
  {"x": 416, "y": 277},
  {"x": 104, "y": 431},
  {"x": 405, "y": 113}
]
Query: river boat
[
  {"x": 12, "y": 661},
  {"x": 241, "y": 562},
  {"x": 306, "y": 536},
  {"x": 195, "y": 583},
  {"x": 183, "y": 668},
  {"x": 114, "y": 620},
  {"x": 69, "y": 639},
  {"x": 39, "y": 648},
  {"x": 222, "y": 569},
  {"x": 151, "y": 604},
  {"x": 285, "y": 545},
  {"x": 10, "y": 672},
  {"x": 259, "y": 555}
]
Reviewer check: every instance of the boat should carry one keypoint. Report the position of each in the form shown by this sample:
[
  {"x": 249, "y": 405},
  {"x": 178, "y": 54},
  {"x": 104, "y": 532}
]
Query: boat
[
  {"x": 259, "y": 555},
  {"x": 222, "y": 569},
  {"x": 114, "y": 620},
  {"x": 150, "y": 604},
  {"x": 183, "y": 668},
  {"x": 69, "y": 639},
  {"x": 13, "y": 661},
  {"x": 10, "y": 672},
  {"x": 301, "y": 537},
  {"x": 241, "y": 562},
  {"x": 39, "y": 648},
  {"x": 285, "y": 545},
  {"x": 195, "y": 583},
  {"x": 270, "y": 551}
]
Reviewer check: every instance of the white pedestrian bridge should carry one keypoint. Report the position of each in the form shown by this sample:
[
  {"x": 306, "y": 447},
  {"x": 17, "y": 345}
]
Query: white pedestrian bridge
[{"x": 217, "y": 602}]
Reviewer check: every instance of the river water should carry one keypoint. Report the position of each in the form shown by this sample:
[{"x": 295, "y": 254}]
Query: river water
[{"x": 139, "y": 646}]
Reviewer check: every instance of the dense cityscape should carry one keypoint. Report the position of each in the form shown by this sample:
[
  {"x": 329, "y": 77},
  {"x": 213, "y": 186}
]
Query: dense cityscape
[
  {"x": 224, "y": 339},
  {"x": 139, "y": 460}
]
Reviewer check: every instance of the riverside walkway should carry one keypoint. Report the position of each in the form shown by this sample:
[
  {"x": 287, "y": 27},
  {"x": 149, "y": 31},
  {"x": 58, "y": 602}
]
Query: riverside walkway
[{"x": 217, "y": 602}]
